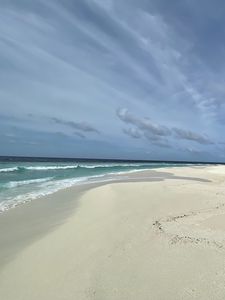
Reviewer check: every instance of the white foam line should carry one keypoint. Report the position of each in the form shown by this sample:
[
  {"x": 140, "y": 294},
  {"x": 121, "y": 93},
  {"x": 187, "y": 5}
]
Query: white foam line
[
  {"x": 13, "y": 184},
  {"x": 8, "y": 169},
  {"x": 42, "y": 168}
]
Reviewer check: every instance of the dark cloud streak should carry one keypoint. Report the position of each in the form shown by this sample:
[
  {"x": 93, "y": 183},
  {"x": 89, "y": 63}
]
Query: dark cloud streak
[
  {"x": 192, "y": 136},
  {"x": 143, "y": 124},
  {"x": 156, "y": 133},
  {"x": 82, "y": 126}
]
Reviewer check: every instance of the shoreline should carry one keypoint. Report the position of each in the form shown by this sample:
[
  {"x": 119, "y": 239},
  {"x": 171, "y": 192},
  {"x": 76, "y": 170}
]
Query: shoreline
[
  {"x": 66, "y": 183},
  {"x": 111, "y": 215},
  {"x": 7, "y": 205}
]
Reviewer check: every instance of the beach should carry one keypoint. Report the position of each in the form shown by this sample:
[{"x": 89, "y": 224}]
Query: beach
[{"x": 157, "y": 234}]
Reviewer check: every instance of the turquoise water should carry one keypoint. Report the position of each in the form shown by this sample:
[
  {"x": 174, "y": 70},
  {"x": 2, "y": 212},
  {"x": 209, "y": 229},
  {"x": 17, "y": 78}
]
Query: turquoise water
[{"x": 21, "y": 182}]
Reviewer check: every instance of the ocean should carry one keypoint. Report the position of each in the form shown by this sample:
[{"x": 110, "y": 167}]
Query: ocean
[{"x": 23, "y": 180}]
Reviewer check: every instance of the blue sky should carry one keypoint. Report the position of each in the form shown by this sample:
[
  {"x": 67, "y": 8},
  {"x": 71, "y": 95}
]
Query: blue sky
[{"x": 130, "y": 79}]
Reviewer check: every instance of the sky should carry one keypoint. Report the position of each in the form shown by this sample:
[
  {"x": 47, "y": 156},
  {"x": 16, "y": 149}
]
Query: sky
[{"x": 126, "y": 79}]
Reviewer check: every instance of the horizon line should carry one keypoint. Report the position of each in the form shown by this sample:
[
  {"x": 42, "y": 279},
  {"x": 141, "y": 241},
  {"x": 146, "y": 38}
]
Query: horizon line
[{"x": 16, "y": 158}]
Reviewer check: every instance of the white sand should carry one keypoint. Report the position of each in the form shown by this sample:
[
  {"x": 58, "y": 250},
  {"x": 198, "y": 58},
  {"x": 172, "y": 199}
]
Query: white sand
[{"x": 144, "y": 240}]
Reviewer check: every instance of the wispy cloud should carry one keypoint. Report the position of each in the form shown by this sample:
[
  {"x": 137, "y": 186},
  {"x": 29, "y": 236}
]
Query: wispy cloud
[{"x": 133, "y": 132}]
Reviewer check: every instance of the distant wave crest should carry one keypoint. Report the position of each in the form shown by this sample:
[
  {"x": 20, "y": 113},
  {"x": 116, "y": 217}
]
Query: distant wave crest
[
  {"x": 9, "y": 169},
  {"x": 66, "y": 167},
  {"x": 45, "y": 168},
  {"x": 13, "y": 184}
]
